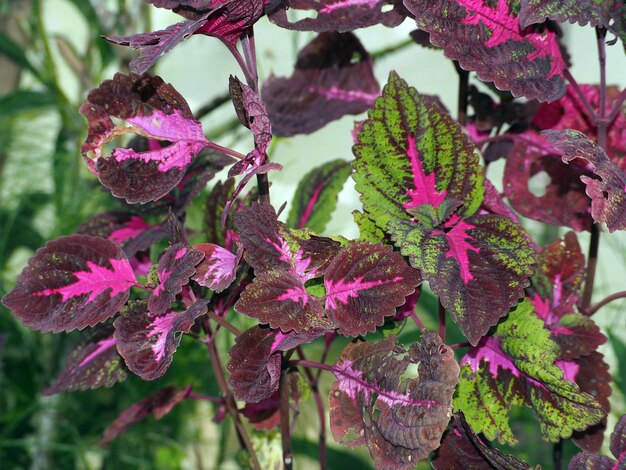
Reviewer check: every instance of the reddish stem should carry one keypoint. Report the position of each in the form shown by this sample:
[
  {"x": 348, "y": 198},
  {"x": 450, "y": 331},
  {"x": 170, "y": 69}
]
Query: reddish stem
[
  {"x": 465, "y": 344},
  {"x": 418, "y": 322},
  {"x": 583, "y": 98},
  {"x": 313, "y": 364},
  {"x": 200, "y": 396},
  {"x": 594, "y": 308},
  {"x": 617, "y": 107},
  {"x": 442, "y": 322},
  {"x": 223, "y": 322},
  {"x": 285, "y": 428},
  {"x": 226, "y": 150}
]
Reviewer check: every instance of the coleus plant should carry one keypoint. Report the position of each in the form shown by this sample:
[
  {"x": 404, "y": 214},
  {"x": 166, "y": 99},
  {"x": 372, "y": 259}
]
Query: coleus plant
[{"x": 430, "y": 216}]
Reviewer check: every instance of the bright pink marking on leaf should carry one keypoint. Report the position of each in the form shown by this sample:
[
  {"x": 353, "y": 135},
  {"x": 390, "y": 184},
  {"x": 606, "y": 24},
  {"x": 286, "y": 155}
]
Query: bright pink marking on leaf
[
  {"x": 343, "y": 290},
  {"x": 283, "y": 249},
  {"x": 140, "y": 266},
  {"x": 295, "y": 294},
  {"x": 505, "y": 27},
  {"x": 165, "y": 274},
  {"x": 306, "y": 215},
  {"x": 570, "y": 369},
  {"x": 336, "y": 93},
  {"x": 459, "y": 247},
  {"x": 221, "y": 265},
  {"x": 172, "y": 127},
  {"x": 131, "y": 229},
  {"x": 180, "y": 253},
  {"x": 330, "y": 7},
  {"x": 425, "y": 191},
  {"x": 489, "y": 350},
  {"x": 177, "y": 155},
  {"x": 97, "y": 280},
  {"x": 278, "y": 340},
  {"x": 351, "y": 382},
  {"x": 103, "y": 345},
  {"x": 301, "y": 264},
  {"x": 160, "y": 327}
]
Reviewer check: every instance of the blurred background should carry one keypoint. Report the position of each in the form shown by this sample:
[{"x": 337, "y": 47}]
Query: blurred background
[{"x": 51, "y": 55}]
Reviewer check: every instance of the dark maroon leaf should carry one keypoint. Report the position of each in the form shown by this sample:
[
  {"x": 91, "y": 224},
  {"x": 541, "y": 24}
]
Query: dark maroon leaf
[
  {"x": 279, "y": 298},
  {"x": 378, "y": 402},
  {"x": 562, "y": 201},
  {"x": 586, "y": 460},
  {"x": 341, "y": 15},
  {"x": 493, "y": 203},
  {"x": 92, "y": 365},
  {"x": 154, "y": 45},
  {"x": 251, "y": 112},
  {"x": 255, "y": 361},
  {"x": 607, "y": 189},
  {"x": 461, "y": 446},
  {"x": 486, "y": 37},
  {"x": 215, "y": 202},
  {"x": 264, "y": 414},
  {"x": 364, "y": 284},
  {"x": 333, "y": 77},
  {"x": 71, "y": 283},
  {"x": 218, "y": 268},
  {"x": 154, "y": 110},
  {"x": 175, "y": 268},
  {"x": 466, "y": 262},
  {"x": 157, "y": 405},
  {"x": 147, "y": 342}
]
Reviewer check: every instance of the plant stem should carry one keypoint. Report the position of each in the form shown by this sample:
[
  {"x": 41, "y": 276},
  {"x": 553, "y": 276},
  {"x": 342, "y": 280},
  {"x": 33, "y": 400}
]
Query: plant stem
[
  {"x": 592, "y": 261},
  {"x": 461, "y": 115},
  {"x": 249, "y": 54},
  {"x": 226, "y": 150},
  {"x": 314, "y": 384},
  {"x": 213, "y": 105},
  {"x": 594, "y": 308},
  {"x": 285, "y": 427},
  {"x": 583, "y": 98},
  {"x": 442, "y": 322},
  {"x": 201, "y": 396},
  {"x": 391, "y": 49},
  {"x": 231, "y": 406},
  {"x": 223, "y": 322},
  {"x": 557, "y": 455},
  {"x": 315, "y": 365},
  {"x": 617, "y": 106},
  {"x": 418, "y": 322},
  {"x": 465, "y": 344}
]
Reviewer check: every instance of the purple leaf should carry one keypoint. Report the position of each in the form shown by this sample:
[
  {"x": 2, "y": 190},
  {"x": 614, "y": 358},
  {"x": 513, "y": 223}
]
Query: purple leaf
[
  {"x": 563, "y": 201},
  {"x": 466, "y": 262},
  {"x": 147, "y": 342},
  {"x": 218, "y": 268},
  {"x": 157, "y": 405},
  {"x": 333, "y": 77},
  {"x": 586, "y": 460},
  {"x": 399, "y": 419},
  {"x": 255, "y": 361},
  {"x": 364, "y": 284},
  {"x": 154, "y": 45},
  {"x": 154, "y": 110},
  {"x": 95, "y": 364},
  {"x": 279, "y": 298},
  {"x": 573, "y": 11},
  {"x": 73, "y": 282},
  {"x": 252, "y": 113},
  {"x": 486, "y": 37},
  {"x": 341, "y": 15},
  {"x": 608, "y": 190},
  {"x": 175, "y": 268},
  {"x": 461, "y": 444},
  {"x": 265, "y": 414}
]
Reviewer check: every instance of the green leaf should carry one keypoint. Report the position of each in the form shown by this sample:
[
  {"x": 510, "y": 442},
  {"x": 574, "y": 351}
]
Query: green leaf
[
  {"x": 316, "y": 195},
  {"x": 14, "y": 52},
  {"x": 515, "y": 367},
  {"x": 410, "y": 152},
  {"x": 368, "y": 231}
]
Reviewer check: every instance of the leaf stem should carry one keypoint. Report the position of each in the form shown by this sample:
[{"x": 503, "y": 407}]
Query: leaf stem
[
  {"x": 226, "y": 150},
  {"x": 223, "y": 322},
  {"x": 315, "y": 365},
  {"x": 594, "y": 308},
  {"x": 314, "y": 384},
  {"x": 442, "y": 322},
  {"x": 285, "y": 425},
  {"x": 617, "y": 106},
  {"x": 391, "y": 49},
  {"x": 201, "y": 396},
  {"x": 592, "y": 261},
  {"x": 231, "y": 406},
  {"x": 583, "y": 98},
  {"x": 418, "y": 322},
  {"x": 461, "y": 115},
  {"x": 557, "y": 455},
  {"x": 465, "y": 344},
  {"x": 249, "y": 54}
]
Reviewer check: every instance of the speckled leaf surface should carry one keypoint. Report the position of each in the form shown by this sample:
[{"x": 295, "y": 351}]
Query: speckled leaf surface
[
  {"x": 315, "y": 198},
  {"x": 395, "y": 401},
  {"x": 93, "y": 365},
  {"x": 467, "y": 262},
  {"x": 608, "y": 189},
  {"x": 364, "y": 284},
  {"x": 587, "y": 460},
  {"x": 486, "y": 37},
  {"x": 411, "y": 153},
  {"x": 461, "y": 446},
  {"x": 147, "y": 342},
  {"x": 157, "y": 405},
  {"x": 71, "y": 283},
  {"x": 175, "y": 268},
  {"x": 516, "y": 367}
]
